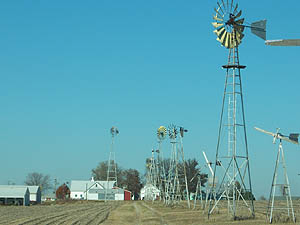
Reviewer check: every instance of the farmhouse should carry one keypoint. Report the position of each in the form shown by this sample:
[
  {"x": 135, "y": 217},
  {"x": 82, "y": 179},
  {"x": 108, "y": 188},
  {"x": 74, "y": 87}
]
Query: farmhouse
[
  {"x": 14, "y": 195},
  {"x": 149, "y": 192},
  {"x": 96, "y": 190}
]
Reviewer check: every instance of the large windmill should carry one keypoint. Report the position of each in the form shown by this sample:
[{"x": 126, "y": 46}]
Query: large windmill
[
  {"x": 285, "y": 186},
  {"x": 235, "y": 179}
]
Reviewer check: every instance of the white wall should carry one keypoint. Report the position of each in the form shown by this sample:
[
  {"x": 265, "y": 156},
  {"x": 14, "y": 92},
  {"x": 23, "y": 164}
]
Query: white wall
[
  {"x": 119, "y": 196},
  {"x": 33, "y": 197},
  {"x": 77, "y": 195},
  {"x": 92, "y": 196}
]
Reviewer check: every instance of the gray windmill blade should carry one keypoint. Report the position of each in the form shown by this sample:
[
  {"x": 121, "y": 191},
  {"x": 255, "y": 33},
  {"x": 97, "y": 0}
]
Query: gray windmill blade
[{"x": 259, "y": 28}]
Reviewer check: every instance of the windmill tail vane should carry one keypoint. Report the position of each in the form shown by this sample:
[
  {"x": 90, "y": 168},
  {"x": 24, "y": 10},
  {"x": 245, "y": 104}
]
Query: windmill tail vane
[{"x": 259, "y": 28}]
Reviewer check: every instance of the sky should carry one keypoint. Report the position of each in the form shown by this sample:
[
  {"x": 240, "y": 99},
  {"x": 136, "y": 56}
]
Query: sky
[{"x": 70, "y": 70}]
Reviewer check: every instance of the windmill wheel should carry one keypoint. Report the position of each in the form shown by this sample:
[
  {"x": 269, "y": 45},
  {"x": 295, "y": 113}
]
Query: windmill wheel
[
  {"x": 114, "y": 131},
  {"x": 172, "y": 129},
  {"x": 161, "y": 133},
  {"x": 229, "y": 26}
]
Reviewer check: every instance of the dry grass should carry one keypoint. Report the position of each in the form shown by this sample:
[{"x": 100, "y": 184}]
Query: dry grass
[{"x": 133, "y": 213}]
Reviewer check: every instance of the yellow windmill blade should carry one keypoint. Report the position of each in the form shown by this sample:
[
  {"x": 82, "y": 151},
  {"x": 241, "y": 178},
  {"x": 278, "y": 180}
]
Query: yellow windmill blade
[
  {"x": 219, "y": 32},
  {"x": 217, "y": 25},
  {"x": 217, "y": 18}
]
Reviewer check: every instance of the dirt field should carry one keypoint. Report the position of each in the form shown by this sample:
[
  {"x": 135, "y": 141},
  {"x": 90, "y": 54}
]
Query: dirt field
[{"x": 128, "y": 213}]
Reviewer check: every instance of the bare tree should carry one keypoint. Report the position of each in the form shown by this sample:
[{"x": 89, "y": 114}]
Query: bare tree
[
  {"x": 38, "y": 179},
  {"x": 100, "y": 172}
]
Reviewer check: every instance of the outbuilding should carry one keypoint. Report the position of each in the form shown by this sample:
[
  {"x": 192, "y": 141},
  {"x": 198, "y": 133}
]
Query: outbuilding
[
  {"x": 35, "y": 194},
  {"x": 97, "y": 190},
  {"x": 14, "y": 195}
]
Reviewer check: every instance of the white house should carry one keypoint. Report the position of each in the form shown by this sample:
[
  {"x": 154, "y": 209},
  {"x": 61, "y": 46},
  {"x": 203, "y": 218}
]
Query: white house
[
  {"x": 149, "y": 192},
  {"x": 91, "y": 190},
  {"x": 13, "y": 194}
]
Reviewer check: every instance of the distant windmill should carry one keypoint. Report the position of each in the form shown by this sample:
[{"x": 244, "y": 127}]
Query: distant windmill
[
  {"x": 285, "y": 187},
  {"x": 176, "y": 185},
  {"x": 111, "y": 163}
]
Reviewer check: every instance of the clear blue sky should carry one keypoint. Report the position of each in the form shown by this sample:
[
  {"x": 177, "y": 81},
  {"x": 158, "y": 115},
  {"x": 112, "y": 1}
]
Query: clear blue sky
[{"x": 71, "y": 69}]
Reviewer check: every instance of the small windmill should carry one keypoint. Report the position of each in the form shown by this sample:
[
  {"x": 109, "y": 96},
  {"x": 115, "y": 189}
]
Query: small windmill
[
  {"x": 285, "y": 187},
  {"x": 176, "y": 181},
  {"x": 229, "y": 28},
  {"x": 161, "y": 136},
  {"x": 212, "y": 181},
  {"x": 111, "y": 163}
]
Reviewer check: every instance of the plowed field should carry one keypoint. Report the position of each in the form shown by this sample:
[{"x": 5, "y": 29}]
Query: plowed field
[{"x": 127, "y": 213}]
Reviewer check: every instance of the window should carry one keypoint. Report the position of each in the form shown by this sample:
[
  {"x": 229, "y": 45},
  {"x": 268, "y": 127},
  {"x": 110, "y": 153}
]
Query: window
[{"x": 76, "y": 196}]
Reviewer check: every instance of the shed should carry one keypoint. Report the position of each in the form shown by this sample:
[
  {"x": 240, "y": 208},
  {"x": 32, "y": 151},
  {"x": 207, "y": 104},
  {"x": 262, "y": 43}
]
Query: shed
[
  {"x": 14, "y": 195},
  {"x": 127, "y": 195},
  {"x": 35, "y": 194}
]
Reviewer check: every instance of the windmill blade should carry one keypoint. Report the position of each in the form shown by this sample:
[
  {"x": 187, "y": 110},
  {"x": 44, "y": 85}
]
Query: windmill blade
[
  {"x": 220, "y": 8},
  {"x": 266, "y": 132},
  {"x": 208, "y": 164},
  {"x": 283, "y": 42},
  {"x": 235, "y": 9},
  {"x": 224, "y": 38},
  {"x": 217, "y": 18},
  {"x": 259, "y": 28},
  {"x": 240, "y": 21},
  {"x": 294, "y": 138},
  {"x": 238, "y": 15},
  {"x": 228, "y": 43},
  {"x": 217, "y": 25},
  {"x": 219, "y": 32},
  {"x": 218, "y": 13}
]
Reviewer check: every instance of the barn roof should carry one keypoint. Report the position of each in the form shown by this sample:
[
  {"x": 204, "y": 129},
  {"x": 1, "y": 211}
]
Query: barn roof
[
  {"x": 32, "y": 189},
  {"x": 12, "y": 191},
  {"x": 82, "y": 185}
]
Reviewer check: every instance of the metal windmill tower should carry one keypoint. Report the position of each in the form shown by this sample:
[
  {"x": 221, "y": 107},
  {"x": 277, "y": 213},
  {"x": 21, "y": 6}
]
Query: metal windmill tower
[
  {"x": 111, "y": 163},
  {"x": 285, "y": 191},
  {"x": 177, "y": 180},
  {"x": 161, "y": 135},
  {"x": 235, "y": 180}
]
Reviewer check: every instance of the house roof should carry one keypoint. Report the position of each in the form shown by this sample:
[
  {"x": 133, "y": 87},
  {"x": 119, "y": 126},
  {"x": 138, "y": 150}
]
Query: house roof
[
  {"x": 12, "y": 191},
  {"x": 82, "y": 185},
  {"x": 32, "y": 189}
]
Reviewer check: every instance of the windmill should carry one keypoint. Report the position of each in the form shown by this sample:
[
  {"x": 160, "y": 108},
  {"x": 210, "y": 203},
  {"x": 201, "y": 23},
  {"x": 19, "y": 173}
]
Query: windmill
[
  {"x": 111, "y": 163},
  {"x": 229, "y": 28},
  {"x": 161, "y": 136},
  {"x": 285, "y": 187},
  {"x": 176, "y": 180}
]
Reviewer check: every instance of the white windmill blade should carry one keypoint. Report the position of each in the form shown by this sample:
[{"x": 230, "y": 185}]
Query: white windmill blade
[
  {"x": 208, "y": 163},
  {"x": 266, "y": 132},
  {"x": 283, "y": 42}
]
